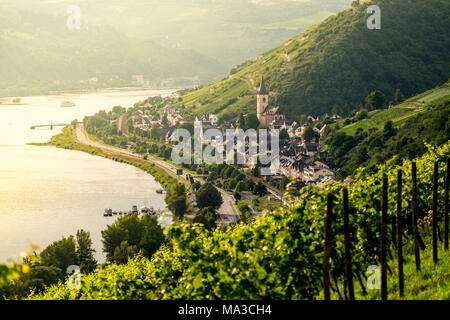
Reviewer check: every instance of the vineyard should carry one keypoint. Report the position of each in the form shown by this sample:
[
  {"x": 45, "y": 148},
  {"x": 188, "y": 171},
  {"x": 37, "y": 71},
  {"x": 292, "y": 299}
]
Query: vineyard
[{"x": 320, "y": 247}]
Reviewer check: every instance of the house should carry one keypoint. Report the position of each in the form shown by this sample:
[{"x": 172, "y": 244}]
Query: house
[
  {"x": 311, "y": 148},
  {"x": 292, "y": 167},
  {"x": 318, "y": 172},
  {"x": 138, "y": 78}
]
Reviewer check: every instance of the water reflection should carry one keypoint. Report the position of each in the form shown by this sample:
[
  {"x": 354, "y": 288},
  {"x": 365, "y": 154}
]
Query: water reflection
[{"x": 47, "y": 193}]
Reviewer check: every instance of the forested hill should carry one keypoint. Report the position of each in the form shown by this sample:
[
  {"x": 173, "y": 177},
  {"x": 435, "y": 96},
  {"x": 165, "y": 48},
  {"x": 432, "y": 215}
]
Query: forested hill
[
  {"x": 400, "y": 131},
  {"x": 340, "y": 61}
]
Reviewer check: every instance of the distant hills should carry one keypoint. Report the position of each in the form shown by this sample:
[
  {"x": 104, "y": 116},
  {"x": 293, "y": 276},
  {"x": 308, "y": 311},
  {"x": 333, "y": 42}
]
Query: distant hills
[
  {"x": 171, "y": 42},
  {"x": 340, "y": 61},
  {"x": 227, "y": 31},
  {"x": 38, "y": 52}
]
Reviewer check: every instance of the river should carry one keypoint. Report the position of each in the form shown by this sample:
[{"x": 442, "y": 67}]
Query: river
[{"x": 47, "y": 193}]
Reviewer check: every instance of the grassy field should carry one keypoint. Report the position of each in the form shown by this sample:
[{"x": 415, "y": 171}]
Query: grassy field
[{"x": 400, "y": 113}]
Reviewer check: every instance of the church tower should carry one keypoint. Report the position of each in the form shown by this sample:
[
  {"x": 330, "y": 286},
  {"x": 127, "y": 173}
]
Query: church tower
[{"x": 262, "y": 100}]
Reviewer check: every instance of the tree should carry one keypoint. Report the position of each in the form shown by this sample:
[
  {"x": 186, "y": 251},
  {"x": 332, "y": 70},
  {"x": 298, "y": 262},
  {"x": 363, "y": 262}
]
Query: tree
[
  {"x": 399, "y": 97},
  {"x": 260, "y": 189},
  {"x": 389, "y": 130},
  {"x": 375, "y": 100},
  {"x": 178, "y": 206},
  {"x": 237, "y": 195},
  {"x": 362, "y": 155},
  {"x": 309, "y": 134},
  {"x": 211, "y": 177},
  {"x": 240, "y": 122},
  {"x": 251, "y": 121},
  {"x": 362, "y": 114},
  {"x": 144, "y": 233},
  {"x": 85, "y": 252},
  {"x": 284, "y": 135},
  {"x": 250, "y": 185},
  {"x": 118, "y": 110},
  {"x": 60, "y": 254},
  {"x": 155, "y": 133},
  {"x": 124, "y": 252},
  {"x": 232, "y": 183},
  {"x": 346, "y": 110},
  {"x": 241, "y": 186},
  {"x": 208, "y": 196},
  {"x": 188, "y": 126},
  {"x": 256, "y": 171},
  {"x": 37, "y": 278},
  {"x": 152, "y": 237},
  {"x": 176, "y": 200},
  {"x": 336, "y": 110},
  {"x": 244, "y": 211},
  {"x": 206, "y": 216}
]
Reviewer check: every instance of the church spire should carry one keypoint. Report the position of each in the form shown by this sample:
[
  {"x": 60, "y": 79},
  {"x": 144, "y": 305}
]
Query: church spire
[{"x": 262, "y": 87}]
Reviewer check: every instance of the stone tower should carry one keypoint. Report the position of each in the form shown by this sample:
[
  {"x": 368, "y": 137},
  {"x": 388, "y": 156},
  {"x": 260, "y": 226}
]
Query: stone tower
[{"x": 262, "y": 100}]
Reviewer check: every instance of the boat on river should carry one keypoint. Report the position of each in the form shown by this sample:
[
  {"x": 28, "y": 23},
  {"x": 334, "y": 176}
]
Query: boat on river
[{"x": 67, "y": 104}]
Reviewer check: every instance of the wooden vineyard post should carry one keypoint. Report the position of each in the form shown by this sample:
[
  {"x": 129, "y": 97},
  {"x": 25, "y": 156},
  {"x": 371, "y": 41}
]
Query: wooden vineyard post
[
  {"x": 401, "y": 280},
  {"x": 326, "y": 251},
  {"x": 414, "y": 216},
  {"x": 447, "y": 178},
  {"x": 435, "y": 217},
  {"x": 384, "y": 206},
  {"x": 348, "y": 259}
]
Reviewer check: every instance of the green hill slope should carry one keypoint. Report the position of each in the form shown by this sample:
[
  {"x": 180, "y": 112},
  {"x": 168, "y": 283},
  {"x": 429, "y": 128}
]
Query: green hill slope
[
  {"x": 402, "y": 112},
  {"x": 340, "y": 61},
  {"x": 280, "y": 255},
  {"x": 400, "y": 131}
]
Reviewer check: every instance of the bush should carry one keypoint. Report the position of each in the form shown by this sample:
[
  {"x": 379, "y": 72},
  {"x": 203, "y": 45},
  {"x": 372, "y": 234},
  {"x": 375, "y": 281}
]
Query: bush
[
  {"x": 145, "y": 234},
  {"x": 206, "y": 216},
  {"x": 260, "y": 189},
  {"x": 208, "y": 196}
]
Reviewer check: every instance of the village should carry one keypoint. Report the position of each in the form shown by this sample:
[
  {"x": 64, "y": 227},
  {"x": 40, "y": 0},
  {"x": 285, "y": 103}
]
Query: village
[{"x": 301, "y": 158}]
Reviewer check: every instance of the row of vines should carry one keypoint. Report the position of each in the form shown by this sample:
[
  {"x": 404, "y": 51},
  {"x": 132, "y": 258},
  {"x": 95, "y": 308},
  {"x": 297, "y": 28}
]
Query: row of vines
[{"x": 279, "y": 255}]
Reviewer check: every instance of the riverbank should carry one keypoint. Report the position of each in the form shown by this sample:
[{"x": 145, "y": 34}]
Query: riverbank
[
  {"x": 89, "y": 91},
  {"x": 163, "y": 172}
]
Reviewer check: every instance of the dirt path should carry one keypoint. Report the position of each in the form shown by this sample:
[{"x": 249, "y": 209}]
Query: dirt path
[
  {"x": 251, "y": 82},
  {"x": 227, "y": 212}
]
